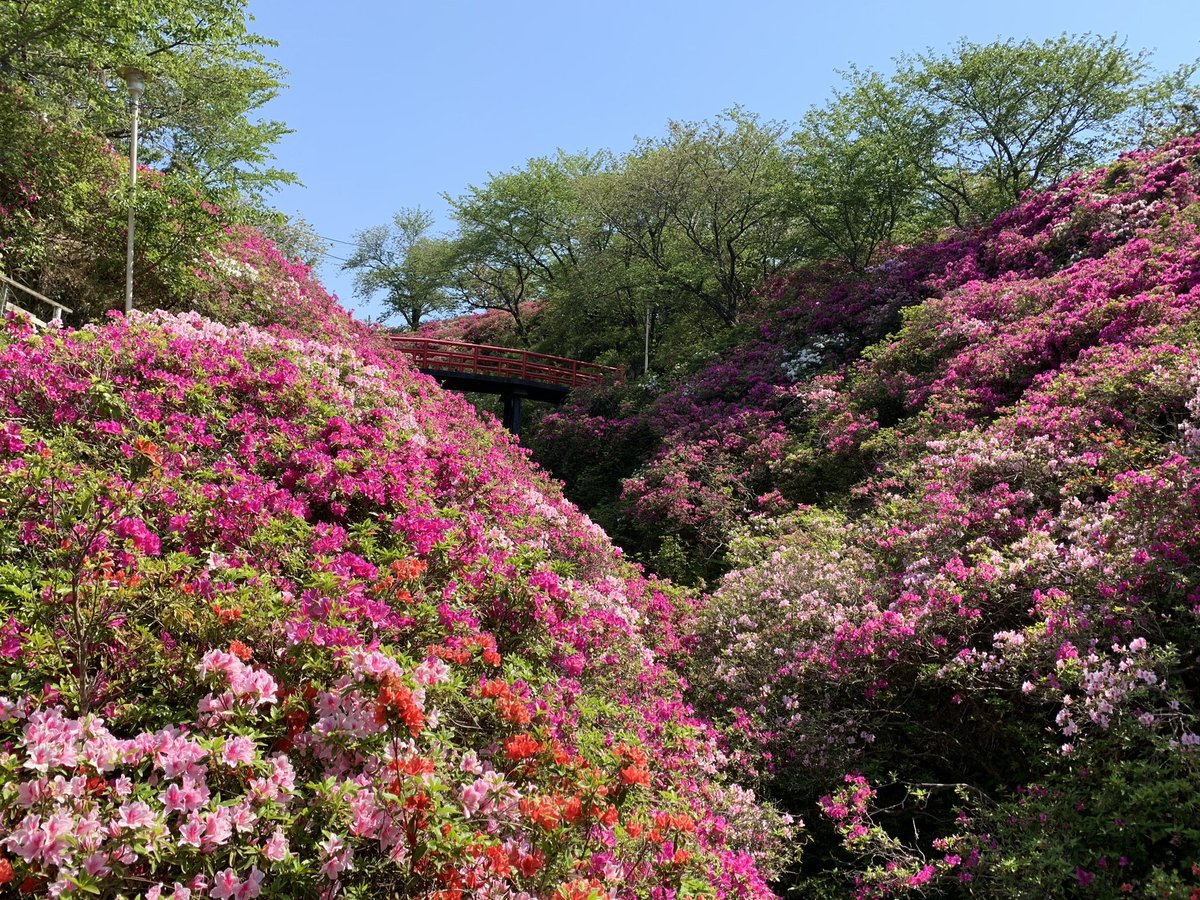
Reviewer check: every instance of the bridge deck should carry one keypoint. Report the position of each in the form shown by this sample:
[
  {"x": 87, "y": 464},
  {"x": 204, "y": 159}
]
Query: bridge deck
[
  {"x": 511, "y": 373},
  {"x": 504, "y": 364}
]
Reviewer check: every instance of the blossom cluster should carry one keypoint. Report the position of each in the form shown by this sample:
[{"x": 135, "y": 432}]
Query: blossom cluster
[
  {"x": 284, "y": 619},
  {"x": 958, "y": 497}
]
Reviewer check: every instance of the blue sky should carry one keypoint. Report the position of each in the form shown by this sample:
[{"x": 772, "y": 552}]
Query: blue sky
[{"x": 393, "y": 104}]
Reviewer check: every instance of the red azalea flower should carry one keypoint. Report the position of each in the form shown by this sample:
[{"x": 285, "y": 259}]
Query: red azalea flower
[
  {"x": 521, "y": 746},
  {"x": 635, "y": 775}
]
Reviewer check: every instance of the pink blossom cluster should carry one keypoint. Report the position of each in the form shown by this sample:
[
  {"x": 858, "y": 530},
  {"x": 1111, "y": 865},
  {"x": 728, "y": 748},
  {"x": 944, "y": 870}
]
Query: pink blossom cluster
[
  {"x": 291, "y": 621},
  {"x": 1000, "y": 589}
]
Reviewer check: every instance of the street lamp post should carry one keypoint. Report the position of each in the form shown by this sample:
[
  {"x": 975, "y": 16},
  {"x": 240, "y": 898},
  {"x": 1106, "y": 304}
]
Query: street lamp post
[
  {"x": 646, "y": 357},
  {"x": 135, "y": 79}
]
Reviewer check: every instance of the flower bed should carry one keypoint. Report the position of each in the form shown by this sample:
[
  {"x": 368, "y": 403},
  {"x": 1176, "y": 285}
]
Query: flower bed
[{"x": 280, "y": 618}]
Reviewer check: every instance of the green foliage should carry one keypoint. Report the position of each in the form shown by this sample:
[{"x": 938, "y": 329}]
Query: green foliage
[
  {"x": 705, "y": 210},
  {"x": 207, "y": 78},
  {"x": 681, "y": 230},
  {"x": 854, "y": 182},
  {"x": 987, "y": 122},
  {"x": 405, "y": 263},
  {"x": 63, "y": 227},
  {"x": 294, "y": 236},
  {"x": 685, "y": 228}
]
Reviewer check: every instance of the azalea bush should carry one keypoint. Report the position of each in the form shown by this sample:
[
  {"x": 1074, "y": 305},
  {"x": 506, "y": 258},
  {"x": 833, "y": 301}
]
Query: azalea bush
[
  {"x": 955, "y": 500},
  {"x": 803, "y": 428},
  {"x": 280, "y": 618},
  {"x": 490, "y": 326},
  {"x": 980, "y": 666}
]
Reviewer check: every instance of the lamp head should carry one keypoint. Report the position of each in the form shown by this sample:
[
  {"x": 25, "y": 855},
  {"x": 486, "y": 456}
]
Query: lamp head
[{"x": 135, "y": 80}]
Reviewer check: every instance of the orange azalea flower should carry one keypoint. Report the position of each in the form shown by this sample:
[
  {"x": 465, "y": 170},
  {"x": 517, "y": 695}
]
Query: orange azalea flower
[
  {"x": 678, "y": 822},
  {"x": 635, "y": 775},
  {"x": 498, "y": 860},
  {"x": 521, "y": 746},
  {"x": 240, "y": 650},
  {"x": 414, "y": 765},
  {"x": 542, "y": 811},
  {"x": 149, "y": 449},
  {"x": 227, "y": 616},
  {"x": 296, "y": 719},
  {"x": 497, "y": 687},
  {"x": 407, "y": 568},
  {"x": 513, "y": 710},
  {"x": 631, "y": 754},
  {"x": 396, "y": 703},
  {"x": 561, "y": 756},
  {"x": 572, "y": 810},
  {"x": 530, "y": 865},
  {"x": 579, "y": 889}
]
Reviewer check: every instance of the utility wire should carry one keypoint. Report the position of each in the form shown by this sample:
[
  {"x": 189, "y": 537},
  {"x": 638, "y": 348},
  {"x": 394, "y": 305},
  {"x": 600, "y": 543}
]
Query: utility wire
[{"x": 328, "y": 255}]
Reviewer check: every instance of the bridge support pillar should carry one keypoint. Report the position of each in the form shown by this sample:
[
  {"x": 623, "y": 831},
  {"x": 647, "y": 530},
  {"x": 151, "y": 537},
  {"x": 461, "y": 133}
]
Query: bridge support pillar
[{"x": 512, "y": 411}]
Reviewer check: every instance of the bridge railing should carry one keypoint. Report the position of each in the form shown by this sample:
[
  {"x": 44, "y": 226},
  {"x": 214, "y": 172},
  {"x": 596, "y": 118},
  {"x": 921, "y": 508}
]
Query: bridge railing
[
  {"x": 502, "y": 362},
  {"x": 7, "y": 302}
]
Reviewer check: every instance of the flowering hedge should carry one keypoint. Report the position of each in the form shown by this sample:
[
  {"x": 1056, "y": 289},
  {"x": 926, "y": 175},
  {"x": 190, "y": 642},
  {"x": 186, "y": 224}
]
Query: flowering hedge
[
  {"x": 980, "y": 664},
  {"x": 767, "y": 424},
  {"x": 959, "y": 500},
  {"x": 280, "y": 618}
]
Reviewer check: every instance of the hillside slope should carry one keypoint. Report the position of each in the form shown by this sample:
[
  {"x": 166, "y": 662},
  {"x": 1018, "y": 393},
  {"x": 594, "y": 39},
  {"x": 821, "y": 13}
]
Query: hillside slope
[
  {"x": 962, "y": 616},
  {"x": 279, "y": 617}
]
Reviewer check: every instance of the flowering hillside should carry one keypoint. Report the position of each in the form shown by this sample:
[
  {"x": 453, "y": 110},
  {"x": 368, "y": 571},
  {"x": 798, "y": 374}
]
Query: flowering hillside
[
  {"x": 278, "y": 617},
  {"x": 962, "y": 630},
  {"x": 493, "y": 326}
]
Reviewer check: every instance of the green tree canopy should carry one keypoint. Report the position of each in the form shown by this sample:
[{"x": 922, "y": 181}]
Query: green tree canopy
[
  {"x": 986, "y": 122},
  {"x": 707, "y": 208},
  {"x": 854, "y": 184},
  {"x": 402, "y": 260},
  {"x": 208, "y": 79}
]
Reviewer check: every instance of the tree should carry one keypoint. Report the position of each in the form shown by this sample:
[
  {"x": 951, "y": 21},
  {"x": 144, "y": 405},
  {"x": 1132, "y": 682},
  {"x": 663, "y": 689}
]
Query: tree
[
  {"x": 532, "y": 212},
  {"x": 523, "y": 235},
  {"x": 1169, "y": 108},
  {"x": 985, "y": 123},
  {"x": 294, "y": 236},
  {"x": 854, "y": 185},
  {"x": 486, "y": 273},
  {"x": 208, "y": 78},
  {"x": 404, "y": 261},
  {"x": 707, "y": 208}
]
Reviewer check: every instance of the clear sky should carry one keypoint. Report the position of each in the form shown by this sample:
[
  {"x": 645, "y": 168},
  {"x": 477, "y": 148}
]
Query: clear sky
[{"x": 394, "y": 103}]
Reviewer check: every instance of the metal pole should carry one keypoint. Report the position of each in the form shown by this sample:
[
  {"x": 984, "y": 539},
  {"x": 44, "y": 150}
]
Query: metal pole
[
  {"x": 646, "y": 358},
  {"x": 133, "y": 149}
]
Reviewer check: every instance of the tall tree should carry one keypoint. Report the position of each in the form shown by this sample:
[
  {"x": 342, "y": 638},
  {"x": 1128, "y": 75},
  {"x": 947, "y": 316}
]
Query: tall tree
[
  {"x": 707, "y": 208},
  {"x": 408, "y": 265},
  {"x": 522, "y": 235},
  {"x": 486, "y": 273},
  {"x": 208, "y": 80},
  {"x": 986, "y": 122},
  {"x": 1169, "y": 108},
  {"x": 532, "y": 212},
  {"x": 854, "y": 184}
]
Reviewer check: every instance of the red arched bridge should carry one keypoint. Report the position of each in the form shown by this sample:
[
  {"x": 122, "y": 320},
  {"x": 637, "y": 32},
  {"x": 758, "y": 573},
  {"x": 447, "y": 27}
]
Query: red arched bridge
[{"x": 513, "y": 374}]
